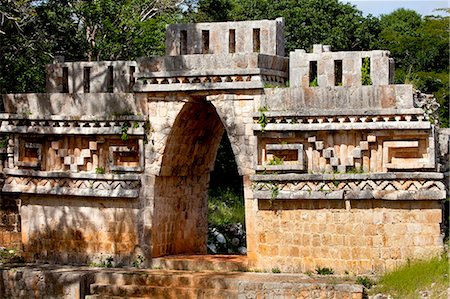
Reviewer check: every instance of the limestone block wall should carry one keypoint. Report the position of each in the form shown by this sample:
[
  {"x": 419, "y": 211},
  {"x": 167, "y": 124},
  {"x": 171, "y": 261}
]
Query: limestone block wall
[
  {"x": 263, "y": 36},
  {"x": 10, "y": 227},
  {"x": 90, "y": 77},
  {"x": 358, "y": 236},
  {"x": 79, "y": 230},
  {"x": 343, "y": 100},
  {"x": 339, "y": 68},
  {"x": 180, "y": 222},
  {"x": 98, "y": 106}
]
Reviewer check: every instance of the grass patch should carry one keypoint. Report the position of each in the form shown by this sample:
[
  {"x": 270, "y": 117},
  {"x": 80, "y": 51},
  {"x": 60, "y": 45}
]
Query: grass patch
[
  {"x": 409, "y": 280},
  {"x": 224, "y": 208}
]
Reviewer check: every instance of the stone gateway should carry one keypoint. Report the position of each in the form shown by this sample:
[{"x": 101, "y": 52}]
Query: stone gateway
[{"x": 341, "y": 168}]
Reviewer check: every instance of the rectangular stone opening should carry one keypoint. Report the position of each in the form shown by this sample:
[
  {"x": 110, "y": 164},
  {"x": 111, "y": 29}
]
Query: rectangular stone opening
[
  {"x": 65, "y": 79},
  {"x": 256, "y": 40},
  {"x": 338, "y": 73},
  {"x": 205, "y": 41},
  {"x": 232, "y": 41},
  {"x": 365, "y": 71},
  {"x": 313, "y": 74},
  {"x": 282, "y": 156},
  {"x": 183, "y": 42},
  {"x": 86, "y": 79},
  {"x": 132, "y": 78},
  {"x": 128, "y": 159},
  {"x": 110, "y": 79}
]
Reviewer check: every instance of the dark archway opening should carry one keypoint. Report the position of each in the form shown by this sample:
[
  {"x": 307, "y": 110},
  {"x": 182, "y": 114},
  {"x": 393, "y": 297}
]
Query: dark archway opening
[
  {"x": 226, "y": 210},
  {"x": 180, "y": 217}
]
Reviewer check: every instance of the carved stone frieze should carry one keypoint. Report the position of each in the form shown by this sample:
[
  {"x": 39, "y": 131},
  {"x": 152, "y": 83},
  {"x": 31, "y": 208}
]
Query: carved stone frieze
[
  {"x": 57, "y": 183},
  {"x": 393, "y": 186}
]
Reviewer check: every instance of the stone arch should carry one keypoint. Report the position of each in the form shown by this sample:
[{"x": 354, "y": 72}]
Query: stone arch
[{"x": 180, "y": 198}]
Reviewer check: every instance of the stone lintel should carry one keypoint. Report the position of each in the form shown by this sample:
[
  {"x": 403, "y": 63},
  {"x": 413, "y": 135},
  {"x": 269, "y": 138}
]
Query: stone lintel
[
  {"x": 119, "y": 192},
  {"x": 212, "y": 72},
  {"x": 70, "y": 131},
  {"x": 343, "y": 112},
  {"x": 349, "y": 177},
  {"x": 64, "y": 174},
  {"x": 84, "y": 118},
  {"x": 282, "y": 167},
  {"x": 139, "y": 87},
  {"x": 354, "y": 195},
  {"x": 389, "y": 125}
]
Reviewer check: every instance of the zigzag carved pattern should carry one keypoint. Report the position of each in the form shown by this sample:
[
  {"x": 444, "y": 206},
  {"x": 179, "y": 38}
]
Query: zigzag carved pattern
[
  {"x": 370, "y": 185},
  {"x": 72, "y": 183}
]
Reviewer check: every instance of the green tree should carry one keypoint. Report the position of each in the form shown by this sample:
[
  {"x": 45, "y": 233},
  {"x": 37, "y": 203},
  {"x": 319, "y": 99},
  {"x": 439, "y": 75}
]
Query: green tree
[
  {"x": 420, "y": 47},
  {"x": 23, "y": 50},
  {"x": 308, "y": 22},
  {"x": 124, "y": 29}
]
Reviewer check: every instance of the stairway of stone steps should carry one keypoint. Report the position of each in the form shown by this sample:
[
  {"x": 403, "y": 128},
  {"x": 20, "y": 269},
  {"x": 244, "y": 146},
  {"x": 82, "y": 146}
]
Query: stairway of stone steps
[
  {"x": 212, "y": 277},
  {"x": 163, "y": 284}
]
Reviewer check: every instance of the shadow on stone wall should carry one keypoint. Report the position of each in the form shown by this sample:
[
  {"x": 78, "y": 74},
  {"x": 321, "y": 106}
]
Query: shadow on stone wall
[{"x": 79, "y": 230}]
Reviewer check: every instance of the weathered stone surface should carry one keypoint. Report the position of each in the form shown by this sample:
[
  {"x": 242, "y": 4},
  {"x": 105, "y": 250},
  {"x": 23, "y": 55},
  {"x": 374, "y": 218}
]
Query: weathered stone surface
[{"x": 115, "y": 159}]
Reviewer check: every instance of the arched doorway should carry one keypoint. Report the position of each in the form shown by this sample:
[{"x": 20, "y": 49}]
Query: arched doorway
[{"x": 180, "y": 218}]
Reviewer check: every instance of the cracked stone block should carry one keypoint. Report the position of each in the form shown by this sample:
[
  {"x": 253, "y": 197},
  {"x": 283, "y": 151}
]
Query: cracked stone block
[
  {"x": 62, "y": 153},
  {"x": 93, "y": 145},
  {"x": 80, "y": 161},
  {"x": 328, "y": 153},
  {"x": 73, "y": 168},
  {"x": 312, "y": 139},
  {"x": 55, "y": 145},
  {"x": 67, "y": 160},
  {"x": 319, "y": 145},
  {"x": 334, "y": 161},
  {"x": 349, "y": 161},
  {"x": 85, "y": 153},
  {"x": 371, "y": 138},
  {"x": 364, "y": 145},
  {"x": 357, "y": 153}
]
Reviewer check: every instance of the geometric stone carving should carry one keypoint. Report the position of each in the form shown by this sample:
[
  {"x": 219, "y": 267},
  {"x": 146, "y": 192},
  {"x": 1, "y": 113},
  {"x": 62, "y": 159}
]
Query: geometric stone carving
[
  {"x": 285, "y": 151},
  {"x": 404, "y": 155},
  {"x": 78, "y": 184},
  {"x": 124, "y": 158},
  {"x": 390, "y": 186},
  {"x": 28, "y": 155}
]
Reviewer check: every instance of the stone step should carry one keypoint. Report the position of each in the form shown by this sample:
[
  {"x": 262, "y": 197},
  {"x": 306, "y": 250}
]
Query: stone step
[
  {"x": 139, "y": 291},
  {"x": 98, "y": 296},
  {"x": 169, "y": 278},
  {"x": 150, "y": 283},
  {"x": 201, "y": 263}
]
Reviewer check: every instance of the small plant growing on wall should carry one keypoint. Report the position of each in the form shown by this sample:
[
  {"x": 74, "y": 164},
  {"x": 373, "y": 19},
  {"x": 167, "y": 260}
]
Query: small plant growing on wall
[
  {"x": 276, "y": 161},
  {"x": 324, "y": 271},
  {"x": 124, "y": 129},
  {"x": 276, "y": 270},
  {"x": 262, "y": 120},
  {"x": 138, "y": 262},
  {"x": 4, "y": 141},
  {"x": 365, "y": 72}
]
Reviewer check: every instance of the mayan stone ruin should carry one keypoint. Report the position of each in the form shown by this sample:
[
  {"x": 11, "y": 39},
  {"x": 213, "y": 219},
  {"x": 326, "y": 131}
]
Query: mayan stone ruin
[{"x": 340, "y": 167}]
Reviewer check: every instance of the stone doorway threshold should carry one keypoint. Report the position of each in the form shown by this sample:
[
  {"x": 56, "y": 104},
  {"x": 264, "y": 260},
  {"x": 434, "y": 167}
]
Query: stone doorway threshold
[{"x": 214, "y": 262}]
